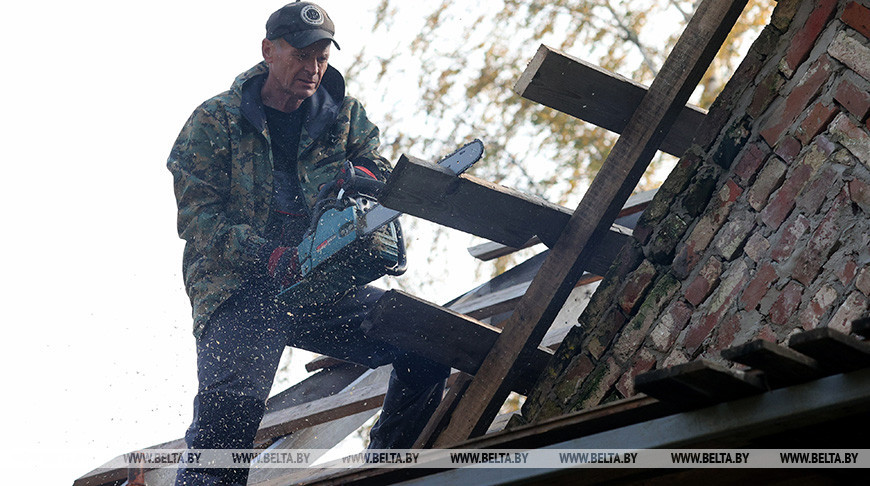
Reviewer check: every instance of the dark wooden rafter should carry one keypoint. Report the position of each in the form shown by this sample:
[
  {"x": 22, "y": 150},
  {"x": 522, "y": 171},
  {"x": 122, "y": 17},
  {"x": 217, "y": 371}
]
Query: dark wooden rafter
[
  {"x": 484, "y": 209},
  {"x": 627, "y": 218},
  {"x": 598, "y": 96},
  {"x": 589, "y": 224},
  {"x": 698, "y": 383},
  {"x": 782, "y": 366},
  {"x": 444, "y": 336}
]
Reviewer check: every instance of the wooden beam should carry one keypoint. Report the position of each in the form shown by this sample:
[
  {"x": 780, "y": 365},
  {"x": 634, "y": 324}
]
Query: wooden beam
[
  {"x": 315, "y": 412},
  {"x": 589, "y": 224},
  {"x": 443, "y": 335},
  {"x": 635, "y": 204},
  {"x": 781, "y": 366},
  {"x": 498, "y": 213},
  {"x": 837, "y": 352},
  {"x": 598, "y": 96},
  {"x": 698, "y": 383}
]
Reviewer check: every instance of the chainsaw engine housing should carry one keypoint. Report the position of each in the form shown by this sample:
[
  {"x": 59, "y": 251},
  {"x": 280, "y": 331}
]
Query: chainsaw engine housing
[{"x": 336, "y": 256}]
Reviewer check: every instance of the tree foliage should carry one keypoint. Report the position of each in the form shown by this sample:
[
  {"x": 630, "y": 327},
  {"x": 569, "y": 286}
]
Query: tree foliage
[{"x": 461, "y": 60}]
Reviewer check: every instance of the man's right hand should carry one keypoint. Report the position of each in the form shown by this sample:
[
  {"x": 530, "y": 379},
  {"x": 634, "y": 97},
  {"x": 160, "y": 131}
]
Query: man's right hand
[{"x": 282, "y": 265}]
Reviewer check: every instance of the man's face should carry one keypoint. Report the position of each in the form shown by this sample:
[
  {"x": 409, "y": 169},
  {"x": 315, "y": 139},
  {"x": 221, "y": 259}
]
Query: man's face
[{"x": 296, "y": 73}]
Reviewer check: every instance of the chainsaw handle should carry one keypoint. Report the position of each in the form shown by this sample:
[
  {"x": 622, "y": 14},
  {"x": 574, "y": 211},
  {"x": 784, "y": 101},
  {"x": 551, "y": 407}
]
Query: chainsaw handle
[
  {"x": 402, "y": 263},
  {"x": 363, "y": 185}
]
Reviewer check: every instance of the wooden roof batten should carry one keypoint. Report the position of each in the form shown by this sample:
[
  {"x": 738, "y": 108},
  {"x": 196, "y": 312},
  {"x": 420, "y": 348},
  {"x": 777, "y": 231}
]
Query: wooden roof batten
[{"x": 570, "y": 255}]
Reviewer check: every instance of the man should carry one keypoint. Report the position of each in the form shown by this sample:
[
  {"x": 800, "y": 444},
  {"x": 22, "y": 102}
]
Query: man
[{"x": 247, "y": 167}]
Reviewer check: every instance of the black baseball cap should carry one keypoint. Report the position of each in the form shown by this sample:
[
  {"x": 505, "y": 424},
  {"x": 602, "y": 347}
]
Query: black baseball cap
[{"x": 300, "y": 24}]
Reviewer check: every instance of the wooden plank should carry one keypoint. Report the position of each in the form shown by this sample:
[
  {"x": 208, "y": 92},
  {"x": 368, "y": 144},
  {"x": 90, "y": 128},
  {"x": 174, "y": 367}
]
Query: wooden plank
[
  {"x": 837, "y": 352},
  {"x": 323, "y": 410},
  {"x": 444, "y": 336},
  {"x": 607, "y": 194},
  {"x": 598, "y": 96},
  {"x": 635, "y": 204},
  {"x": 698, "y": 383},
  {"x": 781, "y": 366},
  {"x": 494, "y": 212}
]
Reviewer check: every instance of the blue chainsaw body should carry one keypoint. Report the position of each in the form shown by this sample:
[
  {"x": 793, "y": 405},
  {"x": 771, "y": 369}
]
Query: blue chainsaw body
[
  {"x": 353, "y": 240},
  {"x": 336, "y": 256}
]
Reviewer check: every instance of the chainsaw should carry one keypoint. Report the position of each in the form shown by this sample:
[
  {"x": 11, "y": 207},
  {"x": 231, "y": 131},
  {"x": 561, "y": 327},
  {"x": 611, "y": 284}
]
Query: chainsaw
[{"x": 352, "y": 239}]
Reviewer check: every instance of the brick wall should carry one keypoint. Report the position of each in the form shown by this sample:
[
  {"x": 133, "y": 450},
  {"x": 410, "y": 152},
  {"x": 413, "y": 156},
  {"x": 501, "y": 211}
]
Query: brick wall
[{"x": 761, "y": 230}]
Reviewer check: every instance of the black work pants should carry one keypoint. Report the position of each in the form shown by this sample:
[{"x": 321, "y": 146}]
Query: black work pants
[{"x": 238, "y": 354}]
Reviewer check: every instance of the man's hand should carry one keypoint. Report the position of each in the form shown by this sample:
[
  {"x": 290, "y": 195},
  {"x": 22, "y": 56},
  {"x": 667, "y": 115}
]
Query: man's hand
[
  {"x": 362, "y": 168},
  {"x": 282, "y": 264},
  {"x": 359, "y": 176}
]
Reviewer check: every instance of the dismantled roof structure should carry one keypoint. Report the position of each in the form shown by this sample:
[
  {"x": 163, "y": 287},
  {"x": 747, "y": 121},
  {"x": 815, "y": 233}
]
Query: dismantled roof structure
[{"x": 731, "y": 304}]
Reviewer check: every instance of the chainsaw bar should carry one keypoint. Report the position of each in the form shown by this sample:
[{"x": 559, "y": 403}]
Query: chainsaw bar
[{"x": 457, "y": 163}]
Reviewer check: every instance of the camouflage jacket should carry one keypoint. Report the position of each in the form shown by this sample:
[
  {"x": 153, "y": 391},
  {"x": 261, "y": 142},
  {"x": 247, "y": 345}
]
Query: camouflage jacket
[{"x": 222, "y": 169}]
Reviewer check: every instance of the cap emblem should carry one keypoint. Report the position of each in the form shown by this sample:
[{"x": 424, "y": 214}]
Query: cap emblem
[{"x": 311, "y": 15}]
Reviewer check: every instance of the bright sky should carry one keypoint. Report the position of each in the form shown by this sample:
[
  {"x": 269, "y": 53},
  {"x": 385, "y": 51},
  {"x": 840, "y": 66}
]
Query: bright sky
[{"x": 99, "y": 355}]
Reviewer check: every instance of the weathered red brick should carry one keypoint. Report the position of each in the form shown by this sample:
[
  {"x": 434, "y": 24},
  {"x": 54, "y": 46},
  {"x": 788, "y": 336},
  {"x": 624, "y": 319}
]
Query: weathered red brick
[
  {"x": 636, "y": 285},
  {"x": 812, "y": 313},
  {"x": 758, "y": 287},
  {"x": 783, "y": 200},
  {"x": 854, "y": 99},
  {"x": 770, "y": 177},
  {"x": 786, "y": 304},
  {"x": 853, "y": 308},
  {"x": 750, "y": 161},
  {"x": 677, "y": 357},
  {"x": 862, "y": 283},
  {"x": 859, "y": 191},
  {"x": 784, "y": 13},
  {"x": 667, "y": 236},
  {"x": 853, "y": 137},
  {"x": 814, "y": 193},
  {"x": 805, "y": 38},
  {"x": 696, "y": 332},
  {"x": 578, "y": 369},
  {"x": 716, "y": 306},
  {"x": 818, "y": 117},
  {"x": 660, "y": 207},
  {"x": 765, "y": 93},
  {"x": 726, "y": 333},
  {"x": 766, "y": 333},
  {"x": 643, "y": 362},
  {"x": 819, "y": 247},
  {"x": 733, "y": 234},
  {"x": 846, "y": 271},
  {"x": 756, "y": 247},
  {"x": 596, "y": 386},
  {"x": 788, "y": 148},
  {"x": 786, "y": 110},
  {"x": 669, "y": 326},
  {"x": 637, "y": 329},
  {"x": 704, "y": 282},
  {"x": 702, "y": 234},
  {"x": 600, "y": 336},
  {"x": 852, "y": 52},
  {"x": 857, "y": 16},
  {"x": 788, "y": 236}
]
